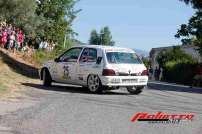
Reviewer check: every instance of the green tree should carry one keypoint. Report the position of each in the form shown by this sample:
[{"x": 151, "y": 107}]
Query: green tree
[
  {"x": 174, "y": 54},
  {"x": 106, "y": 37},
  {"x": 43, "y": 18},
  {"x": 197, "y": 4},
  {"x": 20, "y": 13},
  {"x": 146, "y": 61},
  {"x": 192, "y": 32},
  {"x": 59, "y": 15},
  {"x": 103, "y": 38},
  {"x": 94, "y": 38},
  {"x": 177, "y": 65}
]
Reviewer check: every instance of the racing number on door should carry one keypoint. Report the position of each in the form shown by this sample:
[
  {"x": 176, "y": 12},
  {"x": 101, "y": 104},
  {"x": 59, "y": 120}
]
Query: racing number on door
[{"x": 66, "y": 72}]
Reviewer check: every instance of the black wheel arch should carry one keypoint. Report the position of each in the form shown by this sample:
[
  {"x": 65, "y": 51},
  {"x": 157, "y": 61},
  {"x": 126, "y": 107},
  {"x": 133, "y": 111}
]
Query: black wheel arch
[
  {"x": 88, "y": 77},
  {"x": 41, "y": 73}
]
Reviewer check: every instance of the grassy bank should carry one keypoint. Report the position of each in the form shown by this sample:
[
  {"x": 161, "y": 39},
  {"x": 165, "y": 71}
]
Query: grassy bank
[
  {"x": 41, "y": 56},
  {"x": 3, "y": 88},
  {"x": 11, "y": 81}
]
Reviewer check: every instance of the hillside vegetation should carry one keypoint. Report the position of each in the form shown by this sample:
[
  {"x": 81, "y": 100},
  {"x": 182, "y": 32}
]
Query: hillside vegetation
[{"x": 11, "y": 81}]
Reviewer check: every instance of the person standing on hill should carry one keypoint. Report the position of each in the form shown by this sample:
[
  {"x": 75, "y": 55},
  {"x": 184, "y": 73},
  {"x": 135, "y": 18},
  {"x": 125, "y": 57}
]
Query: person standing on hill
[
  {"x": 150, "y": 73},
  {"x": 9, "y": 29},
  {"x": 197, "y": 79},
  {"x": 12, "y": 41},
  {"x": 156, "y": 73},
  {"x": 20, "y": 39},
  {"x": 4, "y": 38}
]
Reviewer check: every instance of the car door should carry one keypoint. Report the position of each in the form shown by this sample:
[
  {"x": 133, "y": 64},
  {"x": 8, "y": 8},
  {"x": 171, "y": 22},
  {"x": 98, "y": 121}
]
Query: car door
[
  {"x": 87, "y": 64},
  {"x": 67, "y": 67}
]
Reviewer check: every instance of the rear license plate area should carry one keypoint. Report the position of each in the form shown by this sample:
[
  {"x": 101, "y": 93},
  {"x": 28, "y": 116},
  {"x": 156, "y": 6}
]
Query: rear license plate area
[{"x": 129, "y": 80}]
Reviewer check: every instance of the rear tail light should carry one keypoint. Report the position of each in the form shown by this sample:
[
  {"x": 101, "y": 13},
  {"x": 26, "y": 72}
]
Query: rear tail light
[
  {"x": 145, "y": 73},
  {"x": 108, "y": 72}
]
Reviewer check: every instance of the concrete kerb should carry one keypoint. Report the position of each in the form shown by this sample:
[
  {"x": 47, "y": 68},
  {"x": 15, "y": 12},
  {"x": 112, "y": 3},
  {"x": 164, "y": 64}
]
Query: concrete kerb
[{"x": 173, "y": 87}]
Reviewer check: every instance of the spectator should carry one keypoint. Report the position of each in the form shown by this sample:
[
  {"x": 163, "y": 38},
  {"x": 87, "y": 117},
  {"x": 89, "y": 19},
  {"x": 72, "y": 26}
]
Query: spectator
[
  {"x": 46, "y": 44},
  {"x": 150, "y": 73},
  {"x": 4, "y": 38},
  {"x": 37, "y": 42},
  {"x": 1, "y": 29},
  {"x": 156, "y": 73},
  {"x": 43, "y": 45},
  {"x": 13, "y": 38},
  {"x": 12, "y": 41},
  {"x": 20, "y": 39},
  {"x": 53, "y": 45},
  {"x": 49, "y": 47},
  {"x": 25, "y": 48},
  {"x": 9, "y": 29},
  {"x": 161, "y": 74},
  {"x": 197, "y": 76}
]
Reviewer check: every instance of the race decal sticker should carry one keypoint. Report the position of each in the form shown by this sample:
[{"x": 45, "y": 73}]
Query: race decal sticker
[{"x": 66, "y": 72}]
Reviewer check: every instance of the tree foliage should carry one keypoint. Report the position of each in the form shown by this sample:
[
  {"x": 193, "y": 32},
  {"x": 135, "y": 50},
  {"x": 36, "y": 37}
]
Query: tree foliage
[
  {"x": 174, "y": 54},
  {"x": 20, "y": 13},
  {"x": 44, "y": 18},
  {"x": 59, "y": 15},
  {"x": 106, "y": 37},
  {"x": 175, "y": 61},
  {"x": 192, "y": 32},
  {"x": 197, "y": 4},
  {"x": 146, "y": 61},
  {"x": 94, "y": 38},
  {"x": 102, "y": 38}
]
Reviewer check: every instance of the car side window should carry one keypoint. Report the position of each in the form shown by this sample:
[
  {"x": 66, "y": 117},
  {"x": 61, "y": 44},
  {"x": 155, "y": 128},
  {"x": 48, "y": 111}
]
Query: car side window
[
  {"x": 89, "y": 55},
  {"x": 71, "y": 55}
]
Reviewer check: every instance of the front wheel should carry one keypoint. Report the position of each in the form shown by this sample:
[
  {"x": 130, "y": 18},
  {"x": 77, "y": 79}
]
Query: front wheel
[
  {"x": 94, "y": 84},
  {"x": 135, "y": 90}
]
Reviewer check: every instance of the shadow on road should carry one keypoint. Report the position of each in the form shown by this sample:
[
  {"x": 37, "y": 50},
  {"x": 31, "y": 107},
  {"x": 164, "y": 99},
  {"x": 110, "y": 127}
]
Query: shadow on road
[
  {"x": 174, "y": 88},
  {"x": 70, "y": 89}
]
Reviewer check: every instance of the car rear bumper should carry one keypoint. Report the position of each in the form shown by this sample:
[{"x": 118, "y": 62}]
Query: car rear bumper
[{"x": 124, "y": 80}]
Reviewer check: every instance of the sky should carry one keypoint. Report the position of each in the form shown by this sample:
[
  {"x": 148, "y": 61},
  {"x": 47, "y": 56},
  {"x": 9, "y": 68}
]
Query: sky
[{"x": 139, "y": 24}]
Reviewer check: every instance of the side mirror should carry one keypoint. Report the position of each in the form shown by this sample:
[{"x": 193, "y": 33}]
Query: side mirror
[
  {"x": 99, "y": 59},
  {"x": 57, "y": 60}
]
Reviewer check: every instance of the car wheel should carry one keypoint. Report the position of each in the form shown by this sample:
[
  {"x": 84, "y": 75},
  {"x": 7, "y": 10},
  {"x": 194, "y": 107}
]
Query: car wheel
[
  {"x": 135, "y": 90},
  {"x": 94, "y": 84},
  {"x": 46, "y": 78}
]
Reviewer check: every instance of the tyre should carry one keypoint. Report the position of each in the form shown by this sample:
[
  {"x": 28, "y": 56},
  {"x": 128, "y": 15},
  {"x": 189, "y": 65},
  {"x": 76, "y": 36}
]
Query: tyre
[
  {"x": 94, "y": 84},
  {"x": 47, "y": 80},
  {"x": 135, "y": 90}
]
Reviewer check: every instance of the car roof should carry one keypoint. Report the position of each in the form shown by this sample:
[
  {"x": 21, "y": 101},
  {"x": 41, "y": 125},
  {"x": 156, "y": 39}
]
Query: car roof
[{"x": 103, "y": 47}]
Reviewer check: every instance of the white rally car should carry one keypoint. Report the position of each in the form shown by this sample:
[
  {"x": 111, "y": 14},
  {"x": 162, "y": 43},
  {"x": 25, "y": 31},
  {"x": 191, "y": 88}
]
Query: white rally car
[{"x": 98, "y": 68}]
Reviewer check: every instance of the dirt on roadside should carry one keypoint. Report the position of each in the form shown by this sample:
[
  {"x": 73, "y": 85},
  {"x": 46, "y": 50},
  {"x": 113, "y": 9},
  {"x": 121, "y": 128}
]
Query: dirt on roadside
[{"x": 13, "y": 72}]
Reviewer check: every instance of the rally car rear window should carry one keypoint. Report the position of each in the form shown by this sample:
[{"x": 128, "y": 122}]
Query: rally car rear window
[{"x": 123, "y": 58}]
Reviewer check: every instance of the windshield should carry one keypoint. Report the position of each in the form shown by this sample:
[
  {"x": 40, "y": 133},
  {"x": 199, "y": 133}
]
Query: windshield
[{"x": 123, "y": 57}]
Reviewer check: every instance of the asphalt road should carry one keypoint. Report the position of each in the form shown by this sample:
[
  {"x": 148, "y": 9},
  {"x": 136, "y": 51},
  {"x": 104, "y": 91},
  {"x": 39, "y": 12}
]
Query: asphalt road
[{"x": 69, "y": 110}]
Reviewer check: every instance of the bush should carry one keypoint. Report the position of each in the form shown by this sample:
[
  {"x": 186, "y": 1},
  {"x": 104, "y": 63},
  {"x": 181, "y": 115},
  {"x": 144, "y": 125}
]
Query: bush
[
  {"x": 177, "y": 66},
  {"x": 146, "y": 62},
  {"x": 179, "y": 72},
  {"x": 174, "y": 54},
  {"x": 41, "y": 56}
]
